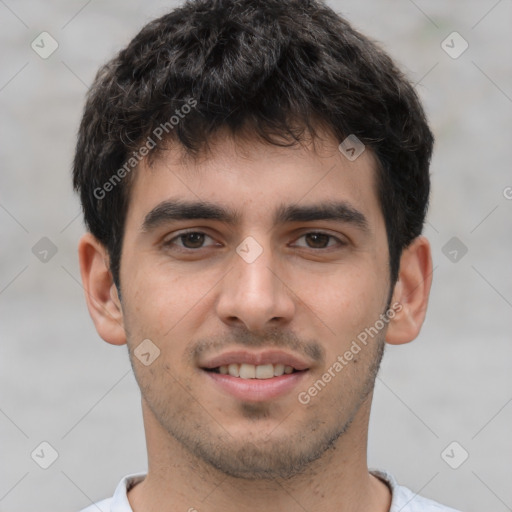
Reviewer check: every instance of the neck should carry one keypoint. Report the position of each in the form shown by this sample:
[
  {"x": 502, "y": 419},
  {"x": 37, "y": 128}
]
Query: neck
[{"x": 338, "y": 481}]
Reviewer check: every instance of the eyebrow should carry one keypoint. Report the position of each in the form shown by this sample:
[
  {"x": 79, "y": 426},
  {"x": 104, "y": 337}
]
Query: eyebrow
[
  {"x": 171, "y": 210},
  {"x": 339, "y": 211}
]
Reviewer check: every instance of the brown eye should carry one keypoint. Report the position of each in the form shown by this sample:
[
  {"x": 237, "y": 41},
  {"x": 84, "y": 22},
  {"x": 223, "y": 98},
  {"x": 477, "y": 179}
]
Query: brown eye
[
  {"x": 317, "y": 240},
  {"x": 192, "y": 240}
]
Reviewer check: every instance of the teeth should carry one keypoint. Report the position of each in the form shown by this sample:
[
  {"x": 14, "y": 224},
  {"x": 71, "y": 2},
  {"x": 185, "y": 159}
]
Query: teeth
[
  {"x": 278, "y": 370},
  {"x": 233, "y": 370},
  {"x": 264, "y": 371},
  {"x": 247, "y": 371},
  {"x": 251, "y": 371}
]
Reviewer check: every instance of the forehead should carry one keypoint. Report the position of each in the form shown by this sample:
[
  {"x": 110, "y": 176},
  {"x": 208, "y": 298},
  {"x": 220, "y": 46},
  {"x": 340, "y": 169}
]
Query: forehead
[{"x": 254, "y": 179}]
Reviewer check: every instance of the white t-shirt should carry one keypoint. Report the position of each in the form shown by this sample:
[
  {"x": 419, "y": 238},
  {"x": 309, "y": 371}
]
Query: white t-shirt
[{"x": 403, "y": 500}]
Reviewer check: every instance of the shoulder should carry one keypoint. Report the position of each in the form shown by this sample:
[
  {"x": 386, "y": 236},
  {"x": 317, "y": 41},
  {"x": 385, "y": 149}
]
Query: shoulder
[
  {"x": 100, "y": 506},
  {"x": 118, "y": 502},
  {"x": 404, "y": 500}
]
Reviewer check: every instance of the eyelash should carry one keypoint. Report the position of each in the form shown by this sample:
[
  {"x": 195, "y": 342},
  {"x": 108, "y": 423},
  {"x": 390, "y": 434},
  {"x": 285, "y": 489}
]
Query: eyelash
[{"x": 171, "y": 242}]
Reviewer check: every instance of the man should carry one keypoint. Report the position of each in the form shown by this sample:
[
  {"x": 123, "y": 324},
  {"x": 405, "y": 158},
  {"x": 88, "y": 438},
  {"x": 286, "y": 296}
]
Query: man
[{"x": 254, "y": 177}]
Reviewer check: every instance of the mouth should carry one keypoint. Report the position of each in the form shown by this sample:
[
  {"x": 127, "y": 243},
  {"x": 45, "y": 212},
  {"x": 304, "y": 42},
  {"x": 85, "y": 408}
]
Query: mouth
[
  {"x": 255, "y": 376},
  {"x": 251, "y": 371}
]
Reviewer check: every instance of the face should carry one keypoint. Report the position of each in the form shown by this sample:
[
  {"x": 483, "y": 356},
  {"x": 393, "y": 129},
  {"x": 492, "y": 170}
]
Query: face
[{"x": 253, "y": 261}]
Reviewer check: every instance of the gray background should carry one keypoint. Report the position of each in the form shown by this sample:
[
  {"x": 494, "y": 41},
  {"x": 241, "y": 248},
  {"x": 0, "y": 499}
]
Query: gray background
[{"x": 60, "y": 383}]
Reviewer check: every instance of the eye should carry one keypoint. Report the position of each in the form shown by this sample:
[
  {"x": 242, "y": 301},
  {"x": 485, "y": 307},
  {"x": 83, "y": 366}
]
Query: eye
[
  {"x": 189, "y": 240},
  {"x": 319, "y": 240}
]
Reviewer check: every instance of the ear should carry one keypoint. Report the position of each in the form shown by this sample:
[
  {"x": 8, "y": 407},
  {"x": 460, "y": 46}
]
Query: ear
[
  {"x": 100, "y": 291},
  {"x": 411, "y": 292}
]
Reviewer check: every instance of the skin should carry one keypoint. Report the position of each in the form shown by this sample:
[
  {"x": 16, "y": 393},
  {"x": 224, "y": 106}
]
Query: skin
[{"x": 310, "y": 296}]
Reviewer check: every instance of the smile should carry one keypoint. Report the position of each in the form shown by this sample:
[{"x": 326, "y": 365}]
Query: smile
[{"x": 251, "y": 371}]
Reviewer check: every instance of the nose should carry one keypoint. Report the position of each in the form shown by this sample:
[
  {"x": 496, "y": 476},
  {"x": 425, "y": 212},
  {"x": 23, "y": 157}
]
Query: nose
[{"x": 255, "y": 294}]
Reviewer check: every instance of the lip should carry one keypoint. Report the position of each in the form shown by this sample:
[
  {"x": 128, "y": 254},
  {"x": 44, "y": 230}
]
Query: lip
[
  {"x": 256, "y": 390},
  {"x": 255, "y": 358}
]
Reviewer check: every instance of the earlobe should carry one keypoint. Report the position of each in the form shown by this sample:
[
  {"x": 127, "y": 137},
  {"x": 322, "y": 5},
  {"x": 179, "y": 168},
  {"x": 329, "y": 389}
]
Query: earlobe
[
  {"x": 412, "y": 292},
  {"x": 100, "y": 292}
]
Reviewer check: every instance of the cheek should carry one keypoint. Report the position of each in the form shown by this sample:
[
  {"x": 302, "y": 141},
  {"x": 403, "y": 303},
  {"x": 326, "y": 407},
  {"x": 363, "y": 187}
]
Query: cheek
[
  {"x": 167, "y": 304},
  {"x": 345, "y": 301}
]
